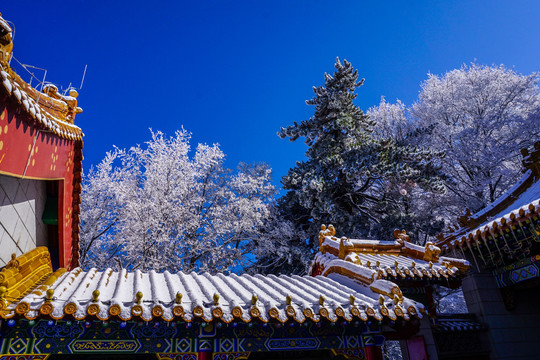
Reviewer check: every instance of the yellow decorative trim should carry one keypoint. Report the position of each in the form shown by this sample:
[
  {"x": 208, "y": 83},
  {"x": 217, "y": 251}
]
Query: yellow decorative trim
[
  {"x": 178, "y": 311},
  {"x": 22, "y": 308},
  {"x": 237, "y": 312},
  {"x": 46, "y": 309},
  {"x": 115, "y": 310},
  {"x": 324, "y": 312},
  {"x": 273, "y": 312},
  {"x": 70, "y": 308},
  {"x": 157, "y": 311},
  {"x": 198, "y": 311},
  {"x": 22, "y": 274},
  {"x": 217, "y": 312},
  {"x": 290, "y": 311},
  {"x": 255, "y": 312},
  {"x": 137, "y": 310},
  {"x": 93, "y": 309},
  {"x": 308, "y": 313},
  {"x": 370, "y": 311}
]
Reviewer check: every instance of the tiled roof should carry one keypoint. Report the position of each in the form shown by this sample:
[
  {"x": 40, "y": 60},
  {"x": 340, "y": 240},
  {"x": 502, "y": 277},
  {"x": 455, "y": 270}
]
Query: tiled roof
[
  {"x": 54, "y": 111},
  {"x": 166, "y": 296},
  {"x": 373, "y": 259},
  {"x": 453, "y": 323}
]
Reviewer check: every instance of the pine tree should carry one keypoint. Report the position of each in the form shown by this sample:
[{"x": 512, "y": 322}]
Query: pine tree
[{"x": 350, "y": 173}]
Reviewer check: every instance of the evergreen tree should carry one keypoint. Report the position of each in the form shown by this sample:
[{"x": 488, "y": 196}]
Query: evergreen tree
[{"x": 350, "y": 173}]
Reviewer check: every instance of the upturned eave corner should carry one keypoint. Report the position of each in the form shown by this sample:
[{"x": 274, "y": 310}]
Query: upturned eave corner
[{"x": 51, "y": 109}]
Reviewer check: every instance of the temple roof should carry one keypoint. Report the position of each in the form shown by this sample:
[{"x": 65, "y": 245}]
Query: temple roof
[
  {"x": 179, "y": 296},
  {"x": 518, "y": 204},
  {"x": 372, "y": 260},
  {"x": 50, "y": 109}
]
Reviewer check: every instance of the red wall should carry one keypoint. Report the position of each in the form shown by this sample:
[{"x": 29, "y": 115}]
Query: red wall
[{"x": 33, "y": 153}]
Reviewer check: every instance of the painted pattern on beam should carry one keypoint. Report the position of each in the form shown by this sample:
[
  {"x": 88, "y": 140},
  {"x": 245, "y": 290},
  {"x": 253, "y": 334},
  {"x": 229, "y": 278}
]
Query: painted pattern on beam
[{"x": 78, "y": 337}]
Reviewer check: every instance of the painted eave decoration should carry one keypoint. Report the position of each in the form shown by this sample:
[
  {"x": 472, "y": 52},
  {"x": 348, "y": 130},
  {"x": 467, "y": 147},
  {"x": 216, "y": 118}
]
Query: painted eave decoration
[
  {"x": 374, "y": 261},
  {"x": 93, "y": 294},
  {"x": 513, "y": 210}
]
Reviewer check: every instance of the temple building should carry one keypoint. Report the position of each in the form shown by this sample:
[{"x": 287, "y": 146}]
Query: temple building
[
  {"x": 359, "y": 292},
  {"x": 40, "y": 165},
  {"x": 502, "y": 242},
  {"x": 415, "y": 270}
]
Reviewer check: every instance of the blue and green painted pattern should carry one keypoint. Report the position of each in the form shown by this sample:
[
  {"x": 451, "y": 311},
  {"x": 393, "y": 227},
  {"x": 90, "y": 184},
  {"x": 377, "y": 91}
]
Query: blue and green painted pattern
[{"x": 79, "y": 337}]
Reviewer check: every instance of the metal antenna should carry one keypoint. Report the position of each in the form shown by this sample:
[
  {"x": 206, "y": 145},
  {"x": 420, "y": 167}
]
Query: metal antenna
[
  {"x": 67, "y": 89},
  {"x": 84, "y": 73}
]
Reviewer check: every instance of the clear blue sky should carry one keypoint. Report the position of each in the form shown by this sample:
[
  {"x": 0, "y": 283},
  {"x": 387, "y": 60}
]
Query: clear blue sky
[{"x": 234, "y": 72}]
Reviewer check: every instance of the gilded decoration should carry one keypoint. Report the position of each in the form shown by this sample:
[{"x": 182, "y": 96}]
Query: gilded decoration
[
  {"x": 56, "y": 293},
  {"x": 51, "y": 109},
  {"x": 21, "y": 275},
  {"x": 398, "y": 259}
]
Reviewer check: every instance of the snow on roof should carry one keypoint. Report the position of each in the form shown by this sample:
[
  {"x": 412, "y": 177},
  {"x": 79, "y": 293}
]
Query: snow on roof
[
  {"x": 4, "y": 25},
  {"x": 54, "y": 111},
  {"x": 516, "y": 205},
  {"x": 369, "y": 260},
  {"x": 31, "y": 100},
  {"x": 525, "y": 198},
  {"x": 167, "y": 296}
]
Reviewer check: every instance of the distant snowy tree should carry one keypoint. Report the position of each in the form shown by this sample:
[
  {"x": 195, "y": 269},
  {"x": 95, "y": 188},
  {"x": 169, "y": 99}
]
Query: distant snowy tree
[
  {"x": 449, "y": 301},
  {"x": 349, "y": 169},
  {"x": 480, "y": 117},
  {"x": 285, "y": 248},
  {"x": 391, "y": 120},
  {"x": 155, "y": 207}
]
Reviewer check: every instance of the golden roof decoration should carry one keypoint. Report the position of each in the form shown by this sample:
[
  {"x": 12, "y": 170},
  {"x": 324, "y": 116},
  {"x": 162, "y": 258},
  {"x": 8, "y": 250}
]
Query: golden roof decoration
[
  {"x": 49, "y": 108},
  {"x": 370, "y": 260},
  {"x": 124, "y": 295},
  {"x": 22, "y": 273}
]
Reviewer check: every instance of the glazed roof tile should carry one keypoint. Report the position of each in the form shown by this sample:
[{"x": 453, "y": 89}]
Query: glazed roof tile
[
  {"x": 457, "y": 323},
  {"x": 370, "y": 260},
  {"x": 50, "y": 109},
  {"x": 180, "y": 296}
]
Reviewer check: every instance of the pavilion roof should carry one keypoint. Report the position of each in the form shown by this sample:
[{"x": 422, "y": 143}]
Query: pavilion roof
[
  {"x": 49, "y": 108},
  {"x": 517, "y": 205},
  {"x": 371, "y": 260},
  {"x": 169, "y": 296}
]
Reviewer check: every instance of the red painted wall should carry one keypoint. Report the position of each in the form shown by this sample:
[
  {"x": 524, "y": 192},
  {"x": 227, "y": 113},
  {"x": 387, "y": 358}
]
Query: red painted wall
[{"x": 29, "y": 152}]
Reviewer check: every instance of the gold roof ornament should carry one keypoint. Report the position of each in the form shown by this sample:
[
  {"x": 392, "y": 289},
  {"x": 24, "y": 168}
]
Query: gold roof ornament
[
  {"x": 49, "y": 108},
  {"x": 369, "y": 260},
  {"x": 6, "y": 44},
  {"x": 59, "y": 294}
]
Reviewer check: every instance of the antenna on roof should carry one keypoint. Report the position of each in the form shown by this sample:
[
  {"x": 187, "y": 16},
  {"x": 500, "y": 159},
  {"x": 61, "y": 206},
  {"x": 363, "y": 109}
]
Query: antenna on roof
[
  {"x": 67, "y": 89},
  {"x": 84, "y": 73}
]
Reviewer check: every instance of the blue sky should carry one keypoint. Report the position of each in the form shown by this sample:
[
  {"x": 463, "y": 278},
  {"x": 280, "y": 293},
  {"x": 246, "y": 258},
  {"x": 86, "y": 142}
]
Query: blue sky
[{"x": 234, "y": 72}]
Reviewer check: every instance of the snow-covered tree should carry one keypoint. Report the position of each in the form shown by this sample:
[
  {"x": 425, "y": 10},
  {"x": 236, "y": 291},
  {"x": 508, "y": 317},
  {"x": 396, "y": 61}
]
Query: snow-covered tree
[
  {"x": 480, "y": 117},
  {"x": 349, "y": 169},
  {"x": 155, "y": 207},
  {"x": 285, "y": 241}
]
